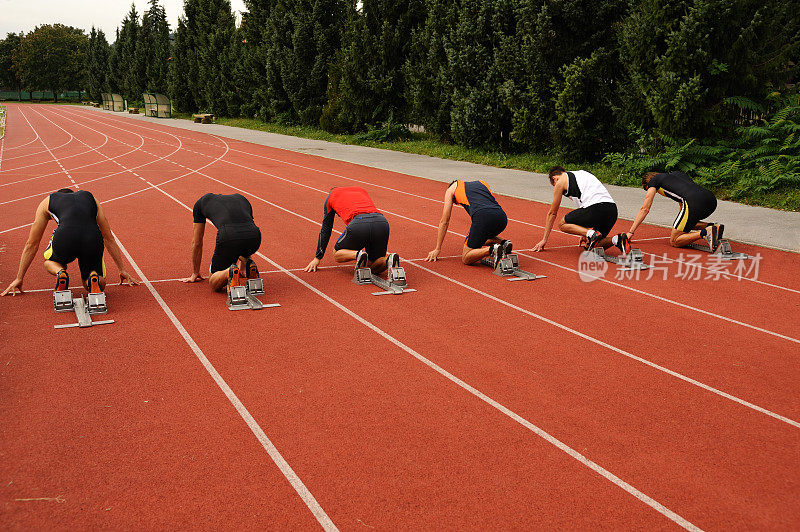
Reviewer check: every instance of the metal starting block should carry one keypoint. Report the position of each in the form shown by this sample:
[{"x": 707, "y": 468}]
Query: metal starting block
[
  {"x": 244, "y": 297},
  {"x": 394, "y": 283},
  {"x": 723, "y": 251},
  {"x": 632, "y": 261},
  {"x": 83, "y": 308},
  {"x": 509, "y": 267},
  {"x": 62, "y": 300}
]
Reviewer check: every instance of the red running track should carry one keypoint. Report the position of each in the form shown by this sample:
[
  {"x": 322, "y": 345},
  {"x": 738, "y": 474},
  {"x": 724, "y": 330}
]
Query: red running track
[{"x": 472, "y": 403}]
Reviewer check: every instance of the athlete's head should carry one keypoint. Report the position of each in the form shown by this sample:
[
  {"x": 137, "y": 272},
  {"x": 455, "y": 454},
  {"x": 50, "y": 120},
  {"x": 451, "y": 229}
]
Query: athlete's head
[
  {"x": 66, "y": 190},
  {"x": 646, "y": 179},
  {"x": 555, "y": 172}
]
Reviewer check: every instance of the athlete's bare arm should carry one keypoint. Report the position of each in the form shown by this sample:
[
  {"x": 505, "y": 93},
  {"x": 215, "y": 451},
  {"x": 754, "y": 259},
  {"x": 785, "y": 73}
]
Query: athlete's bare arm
[
  {"x": 198, "y": 231},
  {"x": 561, "y": 185},
  {"x": 444, "y": 223},
  {"x": 113, "y": 249},
  {"x": 40, "y": 220},
  {"x": 643, "y": 211}
]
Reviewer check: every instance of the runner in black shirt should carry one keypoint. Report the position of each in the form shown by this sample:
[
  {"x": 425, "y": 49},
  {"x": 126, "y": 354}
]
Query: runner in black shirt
[
  {"x": 82, "y": 233},
  {"x": 238, "y": 238},
  {"x": 695, "y": 202}
]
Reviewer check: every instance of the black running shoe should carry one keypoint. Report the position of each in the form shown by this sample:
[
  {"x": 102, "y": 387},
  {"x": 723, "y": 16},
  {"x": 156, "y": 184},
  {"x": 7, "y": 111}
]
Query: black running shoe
[
  {"x": 233, "y": 276},
  {"x": 62, "y": 280},
  {"x": 505, "y": 247},
  {"x": 362, "y": 259},
  {"x": 720, "y": 230},
  {"x": 592, "y": 241},
  {"x": 624, "y": 243},
  {"x": 496, "y": 251},
  {"x": 251, "y": 268},
  {"x": 94, "y": 283},
  {"x": 392, "y": 260},
  {"x": 712, "y": 237}
]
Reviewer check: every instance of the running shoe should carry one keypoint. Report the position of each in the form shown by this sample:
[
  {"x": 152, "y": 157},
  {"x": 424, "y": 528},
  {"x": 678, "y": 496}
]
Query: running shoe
[
  {"x": 62, "y": 280},
  {"x": 623, "y": 243},
  {"x": 361, "y": 259},
  {"x": 506, "y": 247},
  {"x": 392, "y": 260},
  {"x": 712, "y": 237},
  {"x": 496, "y": 251},
  {"x": 252, "y": 269},
  {"x": 720, "y": 230},
  {"x": 233, "y": 276},
  {"x": 94, "y": 283},
  {"x": 592, "y": 241}
]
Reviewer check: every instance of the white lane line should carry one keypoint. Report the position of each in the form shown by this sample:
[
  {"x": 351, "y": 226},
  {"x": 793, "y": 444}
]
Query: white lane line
[
  {"x": 564, "y": 327},
  {"x": 259, "y": 433},
  {"x": 649, "y": 501},
  {"x": 51, "y": 152},
  {"x": 616, "y": 349},
  {"x": 272, "y": 451}
]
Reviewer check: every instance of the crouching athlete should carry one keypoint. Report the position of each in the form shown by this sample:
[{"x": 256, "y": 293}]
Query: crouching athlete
[
  {"x": 366, "y": 237},
  {"x": 488, "y": 221},
  {"x": 238, "y": 238},
  {"x": 592, "y": 220},
  {"x": 695, "y": 202},
  {"x": 82, "y": 233}
]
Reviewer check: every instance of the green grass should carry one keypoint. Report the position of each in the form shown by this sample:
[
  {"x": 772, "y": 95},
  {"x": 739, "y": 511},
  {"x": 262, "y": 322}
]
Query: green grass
[{"x": 427, "y": 144}]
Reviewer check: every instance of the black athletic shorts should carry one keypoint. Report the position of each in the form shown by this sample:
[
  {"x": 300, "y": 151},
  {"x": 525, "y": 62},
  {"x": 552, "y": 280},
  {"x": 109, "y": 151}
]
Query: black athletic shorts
[
  {"x": 486, "y": 224},
  {"x": 234, "y": 241},
  {"x": 600, "y": 217},
  {"x": 366, "y": 231},
  {"x": 82, "y": 242},
  {"x": 694, "y": 209}
]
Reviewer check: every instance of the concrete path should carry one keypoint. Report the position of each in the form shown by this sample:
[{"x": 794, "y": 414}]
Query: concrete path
[{"x": 743, "y": 223}]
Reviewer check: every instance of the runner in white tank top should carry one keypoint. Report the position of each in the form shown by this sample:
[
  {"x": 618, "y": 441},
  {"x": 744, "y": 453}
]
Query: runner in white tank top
[{"x": 596, "y": 213}]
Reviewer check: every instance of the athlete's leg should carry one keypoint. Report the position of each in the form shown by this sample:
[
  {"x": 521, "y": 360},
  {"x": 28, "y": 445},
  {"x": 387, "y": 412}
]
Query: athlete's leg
[
  {"x": 472, "y": 255},
  {"x": 218, "y": 280},
  {"x": 52, "y": 267},
  {"x": 680, "y": 239},
  {"x": 345, "y": 255},
  {"x": 572, "y": 229}
]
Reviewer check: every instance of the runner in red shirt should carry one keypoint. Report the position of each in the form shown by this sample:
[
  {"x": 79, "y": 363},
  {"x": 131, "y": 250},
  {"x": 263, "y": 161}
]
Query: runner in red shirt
[{"x": 366, "y": 237}]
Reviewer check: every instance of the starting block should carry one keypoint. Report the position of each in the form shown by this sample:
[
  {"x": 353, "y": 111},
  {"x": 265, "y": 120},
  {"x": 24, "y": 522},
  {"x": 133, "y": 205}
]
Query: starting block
[
  {"x": 394, "y": 284},
  {"x": 632, "y": 261},
  {"x": 83, "y": 308},
  {"x": 723, "y": 251},
  {"x": 244, "y": 297},
  {"x": 509, "y": 267}
]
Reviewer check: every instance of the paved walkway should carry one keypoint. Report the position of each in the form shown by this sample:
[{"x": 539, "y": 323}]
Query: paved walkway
[{"x": 743, "y": 223}]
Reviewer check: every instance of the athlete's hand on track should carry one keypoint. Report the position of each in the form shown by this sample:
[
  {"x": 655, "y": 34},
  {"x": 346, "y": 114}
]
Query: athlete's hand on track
[
  {"x": 125, "y": 276},
  {"x": 312, "y": 266},
  {"x": 432, "y": 256},
  {"x": 13, "y": 288},
  {"x": 539, "y": 246},
  {"x": 195, "y": 277}
]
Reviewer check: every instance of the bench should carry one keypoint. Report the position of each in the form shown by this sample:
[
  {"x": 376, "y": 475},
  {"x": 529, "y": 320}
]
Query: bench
[
  {"x": 133, "y": 110},
  {"x": 203, "y": 118}
]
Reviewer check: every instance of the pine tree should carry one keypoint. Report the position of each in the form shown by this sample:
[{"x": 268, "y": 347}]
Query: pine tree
[
  {"x": 97, "y": 64},
  {"x": 180, "y": 67},
  {"x": 155, "y": 47}
]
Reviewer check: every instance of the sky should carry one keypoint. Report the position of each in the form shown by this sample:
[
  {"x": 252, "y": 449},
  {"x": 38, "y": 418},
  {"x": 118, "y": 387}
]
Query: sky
[{"x": 25, "y": 15}]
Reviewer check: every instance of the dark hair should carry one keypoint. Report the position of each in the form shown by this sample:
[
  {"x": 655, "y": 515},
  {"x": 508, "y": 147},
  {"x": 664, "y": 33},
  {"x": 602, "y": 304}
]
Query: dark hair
[
  {"x": 66, "y": 190},
  {"x": 554, "y": 171},
  {"x": 646, "y": 179}
]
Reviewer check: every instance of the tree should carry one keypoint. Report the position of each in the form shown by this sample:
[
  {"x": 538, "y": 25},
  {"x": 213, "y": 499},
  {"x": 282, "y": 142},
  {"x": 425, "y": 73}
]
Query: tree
[
  {"x": 683, "y": 58},
  {"x": 9, "y": 77},
  {"x": 154, "y": 48},
  {"x": 97, "y": 64},
  {"x": 52, "y": 57},
  {"x": 130, "y": 61},
  {"x": 180, "y": 70}
]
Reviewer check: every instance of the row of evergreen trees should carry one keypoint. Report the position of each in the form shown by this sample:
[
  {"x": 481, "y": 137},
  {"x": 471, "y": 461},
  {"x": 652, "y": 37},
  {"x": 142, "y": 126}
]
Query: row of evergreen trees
[{"x": 583, "y": 77}]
